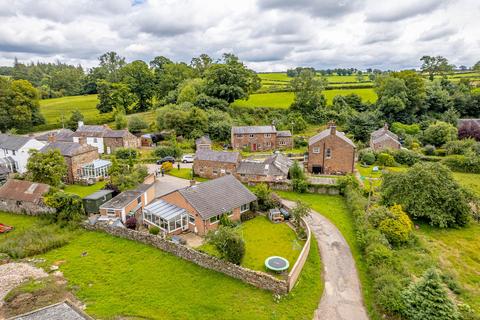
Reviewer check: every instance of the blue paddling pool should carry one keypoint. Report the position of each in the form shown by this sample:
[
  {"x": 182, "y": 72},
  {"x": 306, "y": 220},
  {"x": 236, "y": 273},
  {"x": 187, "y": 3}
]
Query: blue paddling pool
[{"x": 276, "y": 263}]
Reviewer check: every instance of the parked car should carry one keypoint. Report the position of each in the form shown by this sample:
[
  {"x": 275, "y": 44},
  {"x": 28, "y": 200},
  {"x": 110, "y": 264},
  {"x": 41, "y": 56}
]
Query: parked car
[
  {"x": 166, "y": 159},
  {"x": 285, "y": 213},
  {"x": 188, "y": 158}
]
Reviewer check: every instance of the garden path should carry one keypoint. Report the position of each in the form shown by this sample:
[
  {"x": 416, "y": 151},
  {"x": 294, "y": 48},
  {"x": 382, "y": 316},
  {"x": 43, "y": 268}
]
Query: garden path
[{"x": 342, "y": 297}]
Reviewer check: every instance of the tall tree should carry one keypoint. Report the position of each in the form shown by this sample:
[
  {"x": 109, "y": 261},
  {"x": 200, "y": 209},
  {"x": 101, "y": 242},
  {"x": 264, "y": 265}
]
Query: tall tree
[
  {"x": 139, "y": 79},
  {"x": 201, "y": 63},
  {"x": 112, "y": 62},
  {"x": 435, "y": 65},
  {"x": 308, "y": 92},
  {"x": 46, "y": 167}
]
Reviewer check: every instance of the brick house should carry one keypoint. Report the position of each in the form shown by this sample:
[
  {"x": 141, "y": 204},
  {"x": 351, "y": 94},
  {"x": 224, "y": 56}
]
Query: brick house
[
  {"x": 274, "y": 168},
  {"x": 383, "y": 138},
  {"x": 114, "y": 139},
  {"x": 331, "y": 152},
  {"x": 260, "y": 138},
  {"x": 203, "y": 143},
  {"x": 198, "y": 208},
  {"x": 25, "y": 197},
  {"x": 76, "y": 156},
  {"x": 212, "y": 164},
  {"x": 129, "y": 203}
]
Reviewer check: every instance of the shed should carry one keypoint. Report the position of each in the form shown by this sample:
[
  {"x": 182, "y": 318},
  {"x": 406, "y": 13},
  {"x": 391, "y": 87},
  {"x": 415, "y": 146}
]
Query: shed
[{"x": 92, "y": 202}]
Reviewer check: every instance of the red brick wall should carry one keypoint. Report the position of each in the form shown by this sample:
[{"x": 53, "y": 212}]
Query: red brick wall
[
  {"x": 204, "y": 168},
  {"x": 342, "y": 155},
  {"x": 287, "y": 142},
  {"x": 256, "y": 142}
]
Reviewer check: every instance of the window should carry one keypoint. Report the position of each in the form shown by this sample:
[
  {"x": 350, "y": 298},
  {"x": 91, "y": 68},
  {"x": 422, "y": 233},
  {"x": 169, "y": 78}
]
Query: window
[
  {"x": 316, "y": 150},
  {"x": 215, "y": 172},
  {"x": 268, "y": 144},
  {"x": 201, "y": 170},
  {"x": 245, "y": 207},
  {"x": 282, "y": 142},
  {"x": 191, "y": 219},
  {"x": 267, "y": 135},
  {"x": 251, "y": 135},
  {"x": 95, "y": 140},
  {"x": 110, "y": 212},
  {"x": 139, "y": 200},
  {"x": 214, "y": 219},
  {"x": 222, "y": 171},
  {"x": 328, "y": 153},
  {"x": 239, "y": 136}
]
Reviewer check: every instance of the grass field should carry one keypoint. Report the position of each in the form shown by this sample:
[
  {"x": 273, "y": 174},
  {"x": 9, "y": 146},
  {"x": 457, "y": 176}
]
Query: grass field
[
  {"x": 283, "y": 100},
  {"x": 84, "y": 191},
  {"x": 54, "y": 109},
  {"x": 17, "y": 221}
]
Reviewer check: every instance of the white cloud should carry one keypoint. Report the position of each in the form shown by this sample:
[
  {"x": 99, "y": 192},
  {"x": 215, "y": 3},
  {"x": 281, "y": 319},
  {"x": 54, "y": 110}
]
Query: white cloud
[{"x": 266, "y": 34}]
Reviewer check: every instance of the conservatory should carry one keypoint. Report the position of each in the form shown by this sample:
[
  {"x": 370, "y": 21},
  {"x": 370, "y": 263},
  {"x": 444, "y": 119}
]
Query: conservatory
[
  {"x": 168, "y": 217},
  {"x": 96, "y": 169}
]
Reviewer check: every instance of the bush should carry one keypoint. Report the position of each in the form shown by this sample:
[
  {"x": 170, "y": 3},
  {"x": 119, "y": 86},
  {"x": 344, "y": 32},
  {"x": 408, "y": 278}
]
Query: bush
[
  {"x": 462, "y": 147},
  {"x": 378, "y": 254},
  {"x": 299, "y": 185},
  {"x": 226, "y": 221},
  {"x": 384, "y": 159},
  {"x": 131, "y": 223},
  {"x": 228, "y": 243},
  {"x": 405, "y": 157},
  {"x": 429, "y": 150},
  {"x": 167, "y": 166},
  {"x": 136, "y": 124},
  {"x": 296, "y": 171},
  {"x": 126, "y": 153},
  {"x": 165, "y": 151},
  {"x": 300, "y": 141},
  {"x": 439, "y": 133},
  {"x": 468, "y": 164},
  {"x": 249, "y": 215},
  {"x": 266, "y": 198},
  {"x": 68, "y": 208},
  {"x": 428, "y": 300},
  {"x": 367, "y": 158},
  {"x": 154, "y": 230}
]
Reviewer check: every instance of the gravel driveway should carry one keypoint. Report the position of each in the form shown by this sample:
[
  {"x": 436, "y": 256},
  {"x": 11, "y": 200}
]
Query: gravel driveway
[
  {"x": 342, "y": 297},
  {"x": 12, "y": 274}
]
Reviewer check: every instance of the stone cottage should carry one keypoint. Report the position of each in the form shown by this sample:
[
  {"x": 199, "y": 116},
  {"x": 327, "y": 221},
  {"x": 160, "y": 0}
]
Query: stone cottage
[
  {"x": 115, "y": 139},
  {"x": 76, "y": 155},
  {"x": 212, "y": 164},
  {"x": 203, "y": 143},
  {"x": 383, "y": 138},
  {"x": 198, "y": 208},
  {"x": 331, "y": 152},
  {"x": 25, "y": 197},
  {"x": 260, "y": 138},
  {"x": 274, "y": 168},
  {"x": 92, "y": 135}
]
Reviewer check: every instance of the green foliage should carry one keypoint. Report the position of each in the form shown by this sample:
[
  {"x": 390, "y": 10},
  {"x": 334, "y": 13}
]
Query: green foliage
[
  {"x": 428, "y": 191},
  {"x": 226, "y": 221},
  {"x": 435, "y": 65},
  {"x": 164, "y": 151},
  {"x": 266, "y": 198},
  {"x": 127, "y": 153},
  {"x": 367, "y": 158},
  {"x": 405, "y": 157},
  {"x": 113, "y": 95},
  {"x": 186, "y": 120},
  {"x": 385, "y": 159},
  {"x": 120, "y": 121},
  {"x": 397, "y": 227},
  {"x": 228, "y": 243},
  {"x": 140, "y": 81},
  {"x": 296, "y": 171},
  {"x": 300, "y": 211},
  {"x": 136, "y": 124},
  {"x": 154, "y": 230},
  {"x": 465, "y": 147},
  {"x": 46, "y": 167},
  {"x": 429, "y": 150},
  {"x": 167, "y": 166},
  {"x": 125, "y": 176},
  {"x": 69, "y": 208},
  {"x": 460, "y": 163},
  {"x": 75, "y": 117},
  {"x": 400, "y": 128},
  {"x": 428, "y": 300},
  {"x": 300, "y": 185},
  {"x": 308, "y": 93},
  {"x": 439, "y": 133},
  {"x": 360, "y": 124}
]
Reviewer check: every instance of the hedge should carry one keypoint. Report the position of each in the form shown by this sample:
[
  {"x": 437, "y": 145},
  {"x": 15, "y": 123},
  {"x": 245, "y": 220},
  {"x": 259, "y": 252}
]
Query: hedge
[{"x": 467, "y": 164}]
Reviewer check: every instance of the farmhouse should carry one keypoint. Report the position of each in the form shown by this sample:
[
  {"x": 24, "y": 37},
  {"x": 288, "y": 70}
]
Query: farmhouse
[
  {"x": 77, "y": 156},
  {"x": 21, "y": 196},
  {"x": 383, "y": 138},
  {"x": 260, "y": 138},
  {"x": 274, "y": 168},
  {"x": 129, "y": 203},
  {"x": 91, "y": 135},
  {"x": 212, "y": 164},
  {"x": 331, "y": 152},
  {"x": 64, "y": 135},
  {"x": 203, "y": 143},
  {"x": 198, "y": 208},
  {"x": 14, "y": 151},
  {"x": 115, "y": 139}
]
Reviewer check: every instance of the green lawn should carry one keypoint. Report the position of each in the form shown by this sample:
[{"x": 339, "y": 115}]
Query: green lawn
[
  {"x": 54, "y": 109},
  {"x": 121, "y": 278},
  {"x": 368, "y": 173},
  {"x": 470, "y": 180},
  {"x": 17, "y": 221},
  {"x": 283, "y": 100},
  {"x": 84, "y": 191},
  {"x": 264, "y": 239},
  {"x": 184, "y": 173}
]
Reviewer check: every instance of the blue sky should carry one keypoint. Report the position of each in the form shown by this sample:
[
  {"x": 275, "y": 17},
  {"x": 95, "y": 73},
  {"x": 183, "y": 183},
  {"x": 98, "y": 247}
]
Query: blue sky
[{"x": 269, "y": 35}]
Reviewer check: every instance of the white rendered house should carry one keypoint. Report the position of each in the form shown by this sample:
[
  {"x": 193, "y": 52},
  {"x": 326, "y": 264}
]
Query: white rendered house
[
  {"x": 14, "y": 151},
  {"x": 92, "y": 135}
]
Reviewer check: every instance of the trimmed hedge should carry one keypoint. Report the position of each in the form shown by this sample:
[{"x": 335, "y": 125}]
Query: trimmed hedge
[{"x": 468, "y": 164}]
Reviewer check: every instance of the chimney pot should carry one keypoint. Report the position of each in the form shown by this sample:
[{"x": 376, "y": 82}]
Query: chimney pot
[
  {"x": 82, "y": 141},
  {"x": 51, "y": 137},
  {"x": 80, "y": 124},
  {"x": 333, "y": 127}
]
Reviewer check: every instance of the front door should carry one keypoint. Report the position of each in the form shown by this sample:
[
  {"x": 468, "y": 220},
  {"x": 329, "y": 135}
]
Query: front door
[
  {"x": 317, "y": 169},
  {"x": 254, "y": 147}
]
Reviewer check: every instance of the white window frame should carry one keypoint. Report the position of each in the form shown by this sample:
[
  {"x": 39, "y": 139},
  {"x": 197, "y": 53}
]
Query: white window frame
[
  {"x": 110, "y": 214},
  {"x": 316, "y": 149},
  {"x": 267, "y": 135},
  {"x": 251, "y": 135},
  {"x": 245, "y": 207}
]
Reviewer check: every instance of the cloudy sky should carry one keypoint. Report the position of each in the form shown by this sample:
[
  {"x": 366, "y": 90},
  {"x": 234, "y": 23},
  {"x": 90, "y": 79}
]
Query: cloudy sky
[{"x": 269, "y": 35}]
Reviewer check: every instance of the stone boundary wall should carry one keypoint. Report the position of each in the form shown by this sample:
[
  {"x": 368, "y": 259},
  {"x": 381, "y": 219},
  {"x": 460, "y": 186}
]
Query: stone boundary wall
[
  {"x": 302, "y": 258},
  {"x": 256, "y": 278}
]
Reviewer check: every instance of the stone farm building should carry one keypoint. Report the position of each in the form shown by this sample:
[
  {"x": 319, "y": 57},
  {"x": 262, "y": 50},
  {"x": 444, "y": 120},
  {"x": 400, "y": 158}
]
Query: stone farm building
[
  {"x": 203, "y": 143},
  {"x": 21, "y": 196},
  {"x": 198, "y": 208},
  {"x": 331, "y": 152},
  {"x": 212, "y": 164},
  {"x": 14, "y": 151},
  {"x": 260, "y": 138},
  {"x": 383, "y": 138},
  {"x": 274, "y": 168},
  {"x": 77, "y": 156},
  {"x": 115, "y": 139}
]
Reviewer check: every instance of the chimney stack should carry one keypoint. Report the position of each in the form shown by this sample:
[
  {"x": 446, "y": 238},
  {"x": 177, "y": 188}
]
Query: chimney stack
[
  {"x": 333, "y": 128},
  {"x": 80, "y": 124},
  {"x": 192, "y": 183},
  {"x": 51, "y": 137},
  {"x": 82, "y": 141},
  {"x": 385, "y": 126}
]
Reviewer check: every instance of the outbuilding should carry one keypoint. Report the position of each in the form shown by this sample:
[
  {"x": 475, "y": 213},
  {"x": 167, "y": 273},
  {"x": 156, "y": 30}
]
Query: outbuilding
[{"x": 92, "y": 202}]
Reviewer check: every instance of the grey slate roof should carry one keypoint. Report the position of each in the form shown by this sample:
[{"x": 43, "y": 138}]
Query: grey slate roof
[
  {"x": 203, "y": 140},
  {"x": 59, "y": 311},
  {"x": 253, "y": 129},
  {"x": 214, "y": 197},
  {"x": 68, "y": 149},
  {"x": 383, "y": 134},
  {"x": 219, "y": 156},
  {"x": 325, "y": 133},
  {"x": 121, "y": 200},
  {"x": 276, "y": 165},
  {"x": 116, "y": 134},
  {"x": 91, "y": 131},
  {"x": 60, "y": 135},
  {"x": 98, "y": 194},
  {"x": 12, "y": 142},
  {"x": 285, "y": 133}
]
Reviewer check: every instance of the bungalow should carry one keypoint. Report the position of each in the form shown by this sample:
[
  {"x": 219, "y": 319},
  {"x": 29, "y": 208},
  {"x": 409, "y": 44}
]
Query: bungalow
[
  {"x": 198, "y": 208},
  {"x": 212, "y": 164},
  {"x": 129, "y": 203},
  {"x": 331, "y": 152},
  {"x": 14, "y": 151},
  {"x": 383, "y": 138},
  {"x": 21, "y": 196},
  {"x": 274, "y": 168}
]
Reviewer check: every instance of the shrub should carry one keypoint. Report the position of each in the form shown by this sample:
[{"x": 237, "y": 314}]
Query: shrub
[
  {"x": 468, "y": 164},
  {"x": 68, "y": 208},
  {"x": 384, "y": 159},
  {"x": 348, "y": 180},
  {"x": 126, "y": 153},
  {"x": 428, "y": 300},
  {"x": 440, "y": 152},
  {"x": 377, "y": 214},
  {"x": 245, "y": 216},
  {"x": 296, "y": 172},
  {"x": 300, "y": 141},
  {"x": 299, "y": 185},
  {"x": 367, "y": 158},
  {"x": 460, "y": 146},
  {"x": 167, "y": 166},
  {"x": 131, "y": 223},
  {"x": 405, "y": 157},
  {"x": 228, "y": 243},
  {"x": 378, "y": 254},
  {"x": 428, "y": 191},
  {"x": 266, "y": 198},
  {"x": 164, "y": 151},
  {"x": 439, "y": 133},
  {"x": 136, "y": 124},
  {"x": 226, "y": 221},
  {"x": 429, "y": 150},
  {"x": 154, "y": 230}
]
